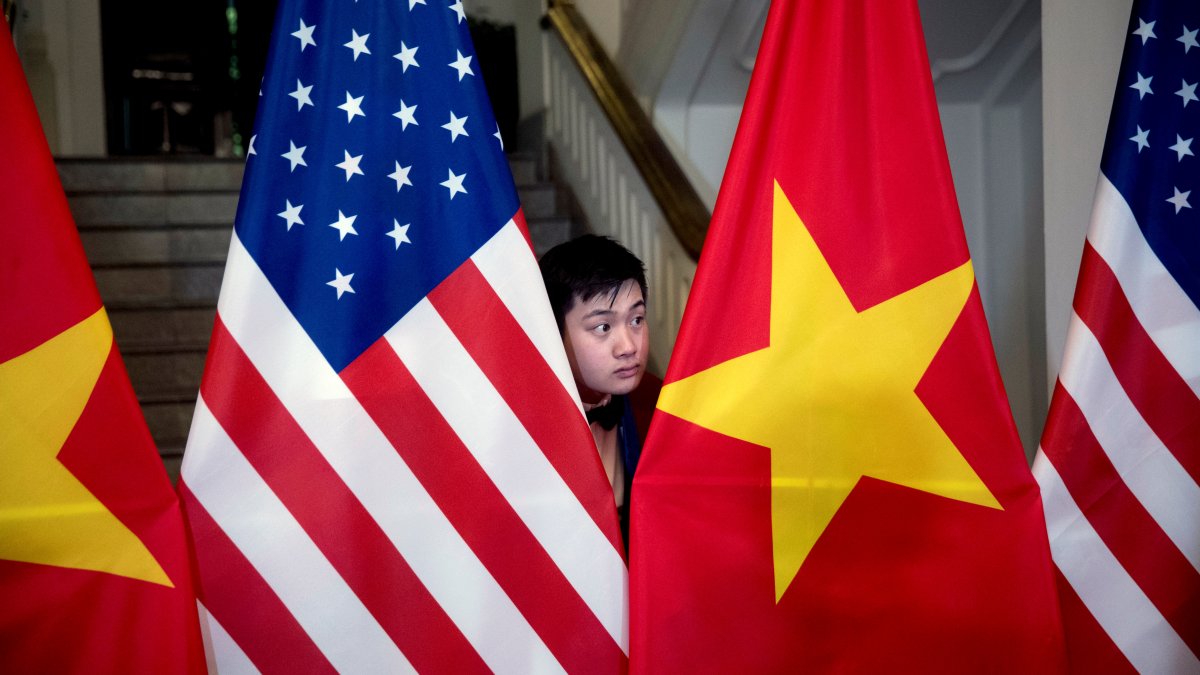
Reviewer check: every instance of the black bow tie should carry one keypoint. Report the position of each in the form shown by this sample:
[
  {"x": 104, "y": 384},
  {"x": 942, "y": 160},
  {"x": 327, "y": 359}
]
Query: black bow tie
[{"x": 608, "y": 414}]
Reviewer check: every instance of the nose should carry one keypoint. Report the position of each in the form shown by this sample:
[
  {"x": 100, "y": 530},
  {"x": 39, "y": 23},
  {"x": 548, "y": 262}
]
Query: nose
[{"x": 625, "y": 343}]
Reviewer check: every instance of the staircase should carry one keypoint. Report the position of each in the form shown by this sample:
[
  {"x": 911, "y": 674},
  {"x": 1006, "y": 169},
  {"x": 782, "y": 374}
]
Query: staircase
[{"x": 156, "y": 233}]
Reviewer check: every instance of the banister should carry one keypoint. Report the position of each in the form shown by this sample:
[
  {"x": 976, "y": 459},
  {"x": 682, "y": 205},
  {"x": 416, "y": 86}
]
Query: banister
[
  {"x": 685, "y": 212},
  {"x": 10, "y": 14}
]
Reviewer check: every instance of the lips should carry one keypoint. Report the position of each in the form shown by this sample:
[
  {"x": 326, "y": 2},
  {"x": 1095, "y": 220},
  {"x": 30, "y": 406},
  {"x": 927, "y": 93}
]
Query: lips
[{"x": 627, "y": 372}]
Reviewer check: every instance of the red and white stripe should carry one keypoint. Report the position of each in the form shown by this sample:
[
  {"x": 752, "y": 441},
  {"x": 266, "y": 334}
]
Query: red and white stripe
[
  {"x": 1119, "y": 464},
  {"x": 436, "y": 506}
]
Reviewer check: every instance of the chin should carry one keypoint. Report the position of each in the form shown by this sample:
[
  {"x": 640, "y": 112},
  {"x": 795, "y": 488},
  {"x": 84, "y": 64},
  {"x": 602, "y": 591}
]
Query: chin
[{"x": 623, "y": 387}]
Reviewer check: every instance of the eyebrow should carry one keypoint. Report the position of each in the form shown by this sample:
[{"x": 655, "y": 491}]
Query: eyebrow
[
  {"x": 598, "y": 312},
  {"x": 640, "y": 304}
]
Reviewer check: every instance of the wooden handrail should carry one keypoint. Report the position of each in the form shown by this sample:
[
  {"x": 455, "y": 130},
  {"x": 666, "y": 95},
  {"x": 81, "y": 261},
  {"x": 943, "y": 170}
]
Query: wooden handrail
[{"x": 684, "y": 210}]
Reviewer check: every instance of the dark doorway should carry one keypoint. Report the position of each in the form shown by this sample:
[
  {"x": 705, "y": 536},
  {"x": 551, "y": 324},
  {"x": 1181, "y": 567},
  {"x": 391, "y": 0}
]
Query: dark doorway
[
  {"x": 182, "y": 77},
  {"x": 496, "y": 47}
]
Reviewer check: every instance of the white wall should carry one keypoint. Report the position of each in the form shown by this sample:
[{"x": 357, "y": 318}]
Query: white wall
[
  {"x": 604, "y": 18},
  {"x": 530, "y": 81},
  {"x": 986, "y": 61},
  {"x": 1083, "y": 40},
  {"x": 525, "y": 16},
  {"x": 699, "y": 102},
  {"x": 59, "y": 45}
]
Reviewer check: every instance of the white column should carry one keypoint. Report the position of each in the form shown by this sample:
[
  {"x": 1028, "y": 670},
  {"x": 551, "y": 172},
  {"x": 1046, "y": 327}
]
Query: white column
[
  {"x": 1082, "y": 42},
  {"x": 59, "y": 45}
]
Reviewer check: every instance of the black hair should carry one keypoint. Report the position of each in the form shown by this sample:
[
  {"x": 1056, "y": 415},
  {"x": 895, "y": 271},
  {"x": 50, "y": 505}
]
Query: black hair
[{"x": 587, "y": 267}]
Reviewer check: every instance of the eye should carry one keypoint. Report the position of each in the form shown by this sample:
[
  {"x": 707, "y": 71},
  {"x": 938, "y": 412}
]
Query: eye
[
  {"x": 638, "y": 320},
  {"x": 601, "y": 328}
]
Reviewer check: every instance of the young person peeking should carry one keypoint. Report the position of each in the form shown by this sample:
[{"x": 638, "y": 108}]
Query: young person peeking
[{"x": 597, "y": 290}]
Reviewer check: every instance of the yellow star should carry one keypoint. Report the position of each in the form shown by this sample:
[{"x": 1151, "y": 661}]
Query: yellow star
[
  {"x": 46, "y": 515},
  {"x": 833, "y": 395}
]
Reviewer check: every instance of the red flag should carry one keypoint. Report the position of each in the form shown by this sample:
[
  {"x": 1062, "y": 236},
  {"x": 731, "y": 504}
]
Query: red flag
[
  {"x": 93, "y": 563},
  {"x": 1119, "y": 462},
  {"x": 389, "y": 468},
  {"x": 833, "y": 479}
]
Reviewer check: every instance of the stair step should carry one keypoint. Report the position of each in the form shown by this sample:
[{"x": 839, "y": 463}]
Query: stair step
[
  {"x": 92, "y": 175},
  {"x": 141, "y": 328},
  {"x": 169, "y": 422},
  {"x": 524, "y": 167},
  {"x": 547, "y": 233},
  {"x": 172, "y": 461},
  {"x": 185, "y": 244},
  {"x": 159, "y": 349},
  {"x": 150, "y": 175},
  {"x": 188, "y": 284},
  {"x": 94, "y": 211},
  {"x": 190, "y": 208},
  {"x": 539, "y": 201},
  {"x": 166, "y": 374},
  {"x": 185, "y": 396}
]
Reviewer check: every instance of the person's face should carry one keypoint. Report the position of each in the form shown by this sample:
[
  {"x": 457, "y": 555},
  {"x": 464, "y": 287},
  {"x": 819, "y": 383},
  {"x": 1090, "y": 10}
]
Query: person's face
[{"x": 607, "y": 342}]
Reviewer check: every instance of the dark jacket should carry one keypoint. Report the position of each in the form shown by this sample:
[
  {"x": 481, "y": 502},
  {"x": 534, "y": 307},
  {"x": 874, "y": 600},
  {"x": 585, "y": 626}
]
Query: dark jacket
[{"x": 631, "y": 449}]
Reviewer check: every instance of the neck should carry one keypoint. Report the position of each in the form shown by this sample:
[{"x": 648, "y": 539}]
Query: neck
[{"x": 604, "y": 400}]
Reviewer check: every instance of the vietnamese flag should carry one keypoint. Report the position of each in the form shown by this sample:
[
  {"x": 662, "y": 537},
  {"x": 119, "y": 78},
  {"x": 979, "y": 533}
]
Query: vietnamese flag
[
  {"x": 833, "y": 480},
  {"x": 94, "y": 573}
]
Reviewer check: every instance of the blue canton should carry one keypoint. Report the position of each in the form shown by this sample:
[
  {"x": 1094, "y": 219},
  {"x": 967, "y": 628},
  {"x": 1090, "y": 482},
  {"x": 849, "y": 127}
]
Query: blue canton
[
  {"x": 1152, "y": 153},
  {"x": 377, "y": 166}
]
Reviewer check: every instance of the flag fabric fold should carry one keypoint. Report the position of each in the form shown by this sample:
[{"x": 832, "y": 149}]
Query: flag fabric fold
[
  {"x": 389, "y": 469},
  {"x": 833, "y": 480},
  {"x": 1119, "y": 462},
  {"x": 94, "y": 570}
]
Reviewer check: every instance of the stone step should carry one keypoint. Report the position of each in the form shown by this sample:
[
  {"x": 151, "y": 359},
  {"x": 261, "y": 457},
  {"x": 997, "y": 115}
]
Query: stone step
[
  {"x": 186, "y": 264},
  {"x": 107, "y": 210},
  {"x": 124, "y": 210},
  {"x": 166, "y": 375},
  {"x": 539, "y": 200},
  {"x": 139, "y": 327},
  {"x": 158, "y": 285},
  {"x": 150, "y": 175},
  {"x": 183, "y": 243},
  {"x": 169, "y": 421},
  {"x": 172, "y": 461},
  {"x": 525, "y": 168},
  {"x": 133, "y": 175},
  {"x": 203, "y": 175},
  {"x": 547, "y": 233},
  {"x": 94, "y": 210}
]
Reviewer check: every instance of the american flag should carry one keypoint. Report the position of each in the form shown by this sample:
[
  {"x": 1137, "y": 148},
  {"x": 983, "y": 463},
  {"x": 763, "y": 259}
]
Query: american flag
[
  {"x": 1119, "y": 463},
  {"x": 388, "y": 468}
]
